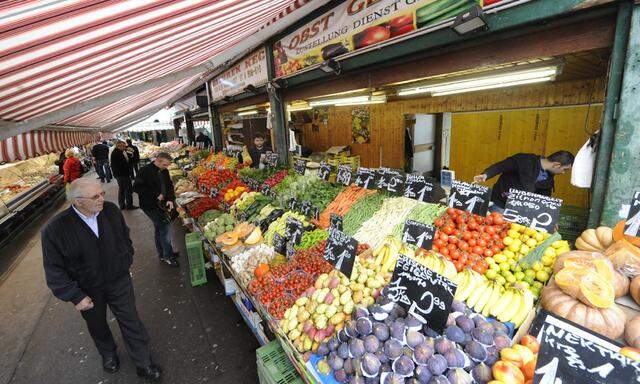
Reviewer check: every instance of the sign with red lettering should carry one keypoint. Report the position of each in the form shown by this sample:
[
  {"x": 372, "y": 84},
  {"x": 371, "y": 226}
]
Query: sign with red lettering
[
  {"x": 251, "y": 70},
  {"x": 356, "y": 24}
]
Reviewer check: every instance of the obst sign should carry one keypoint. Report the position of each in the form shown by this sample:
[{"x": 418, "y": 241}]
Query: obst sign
[
  {"x": 424, "y": 293},
  {"x": 532, "y": 210},
  {"x": 472, "y": 198}
]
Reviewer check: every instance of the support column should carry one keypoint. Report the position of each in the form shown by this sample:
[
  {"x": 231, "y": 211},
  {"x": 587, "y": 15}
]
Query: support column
[
  {"x": 614, "y": 83},
  {"x": 214, "y": 121},
  {"x": 623, "y": 177},
  {"x": 279, "y": 122},
  {"x": 191, "y": 132}
]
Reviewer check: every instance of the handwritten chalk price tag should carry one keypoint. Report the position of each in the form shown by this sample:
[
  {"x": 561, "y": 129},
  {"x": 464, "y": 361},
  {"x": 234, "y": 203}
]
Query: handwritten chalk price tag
[
  {"x": 472, "y": 198},
  {"x": 271, "y": 159},
  {"x": 532, "y": 210},
  {"x": 344, "y": 175},
  {"x": 418, "y": 234},
  {"x": 632, "y": 226},
  {"x": 364, "y": 178},
  {"x": 335, "y": 222},
  {"x": 424, "y": 293},
  {"x": 300, "y": 166},
  {"x": 279, "y": 244},
  {"x": 395, "y": 183},
  {"x": 341, "y": 251},
  {"x": 292, "y": 204},
  {"x": 416, "y": 187},
  {"x": 324, "y": 171},
  {"x": 294, "y": 230}
]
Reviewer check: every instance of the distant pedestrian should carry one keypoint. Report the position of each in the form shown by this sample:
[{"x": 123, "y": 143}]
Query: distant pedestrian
[
  {"x": 204, "y": 139},
  {"x": 100, "y": 153},
  {"x": 87, "y": 252},
  {"x": 121, "y": 165},
  {"x": 72, "y": 166},
  {"x": 155, "y": 193},
  {"x": 135, "y": 156}
]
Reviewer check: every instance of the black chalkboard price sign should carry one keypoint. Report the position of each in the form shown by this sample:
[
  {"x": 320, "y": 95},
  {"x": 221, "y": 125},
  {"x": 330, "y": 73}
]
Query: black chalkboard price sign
[
  {"x": 265, "y": 189},
  {"x": 341, "y": 251},
  {"x": 572, "y": 354},
  {"x": 395, "y": 182},
  {"x": 292, "y": 204},
  {"x": 632, "y": 226},
  {"x": 418, "y": 234},
  {"x": 344, "y": 175},
  {"x": 294, "y": 230},
  {"x": 472, "y": 198},
  {"x": 424, "y": 293},
  {"x": 380, "y": 178},
  {"x": 324, "y": 171},
  {"x": 305, "y": 207},
  {"x": 279, "y": 244},
  {"x": 271, "y": 159},
  {"x": 364, "y": 178},
  {"x": 335, "y": 222},
  {"x": 532, "y": 210},
  {"x": 213, "y": 192},
  {"x": 416, "y": 187},
  {"x": 300, "y": 166},
  {"x": 275, "y": 214}
]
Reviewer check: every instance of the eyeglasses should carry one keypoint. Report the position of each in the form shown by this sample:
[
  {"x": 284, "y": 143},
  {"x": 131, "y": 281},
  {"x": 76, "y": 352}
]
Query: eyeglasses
[{"x": 94, "y": 198}]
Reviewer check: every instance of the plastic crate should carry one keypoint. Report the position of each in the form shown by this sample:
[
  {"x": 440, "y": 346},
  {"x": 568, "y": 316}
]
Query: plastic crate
[
  {"x": 274, "y": 367},
  {"x": 197, "y": 270},
  {"x": 572, "y": 221}
]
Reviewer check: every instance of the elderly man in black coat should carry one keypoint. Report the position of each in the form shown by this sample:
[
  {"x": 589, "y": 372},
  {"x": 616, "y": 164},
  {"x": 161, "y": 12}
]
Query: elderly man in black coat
[
  {"x": 122, "y": 166},
  {"x": 87, "y": 252}
]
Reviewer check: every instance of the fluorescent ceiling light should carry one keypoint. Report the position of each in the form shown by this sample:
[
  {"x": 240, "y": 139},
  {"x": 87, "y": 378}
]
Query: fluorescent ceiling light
[
  {"x": 372, "y": 101},
  {"x": 356, "y": 100},
  {"x": 484, "y": 82},
  {"x": 298, "y": 109},
  {"x": 493, "y": 86},
  {"x": 248, "y": 113}
]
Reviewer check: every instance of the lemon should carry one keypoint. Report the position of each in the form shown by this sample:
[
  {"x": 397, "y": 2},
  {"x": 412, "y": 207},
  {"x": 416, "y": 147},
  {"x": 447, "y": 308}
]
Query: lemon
[
  {"x": 537, "y": 285},
  {"x": 562, "y": 250},
  {"x": 550, "y": 251},
  {"x": 519, "y": 275},
  {"x": 530, "y": 273},
  {"x": 539, "y": 237},
  {"x": 491, "y": 274},
  {"x": 558, "y": 244},
  {"x": 518, "y": 227},
  {"x": 530, "y": 280},
  {"x": 500, "y": 258},
  {"x": 530, "y": 232},
  {"x": 547, "y": 260},
  {"x": 513, "y": 234},
  {"x": 511, "y": 279},
  {"x": 537, "y": 266},
  {"x": 531, "y": 243},
  {"x": 501, "y": 280},
  {"x": 508, "y": 253},
  {"x": 524, "y": 249},
  {"x": 514, "y": 247},
  {"x": 505, "y": 266},
  {"x": 507, "y": 241}
]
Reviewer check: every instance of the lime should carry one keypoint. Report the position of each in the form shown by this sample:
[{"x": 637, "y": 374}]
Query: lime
[
  {"x": 500, "y": 258},
  {"x": 537, "y": 266},
  {"x": 519, "y": 276},
  {"x": 549, "y": 270},
  {"x": 547, "y": 260},
  {"x": 508, "y": 253},
  {"x": 530, "y": 280},
  {"x": 537, "y": 285},
  {"x": 530, "y": 273},
  {"x": 505, "y": 266},
  {"x": 532, "y": 243},
  {"x": 501, "y": 280},
  {"x": 491, "y": 274},
  {"x": 507, "y": 240},
  {"x": 511, "y": 279},
  {"x": 542, "y": 276}
]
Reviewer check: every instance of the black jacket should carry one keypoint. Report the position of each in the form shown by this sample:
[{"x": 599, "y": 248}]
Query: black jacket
[
  {"x": 100, "y": 151},
  {"x": 136, "y": 153},
  {"x": 148, "y": 185},
  {"x": 256, "y": 153},
  {"x": 204, "y": 139},
  {"x": 519, "y": 171},
  {"x": 119, "y": 165},
  {"x": 75, "y": 260}
]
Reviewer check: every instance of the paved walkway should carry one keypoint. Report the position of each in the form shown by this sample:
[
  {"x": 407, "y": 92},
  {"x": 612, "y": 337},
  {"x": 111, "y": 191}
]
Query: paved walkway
[{"x": 197, "y": 334}]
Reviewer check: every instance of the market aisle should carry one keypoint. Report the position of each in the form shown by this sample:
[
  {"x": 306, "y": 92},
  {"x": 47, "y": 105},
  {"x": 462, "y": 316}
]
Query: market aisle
[{"x": 197, "y": 334}]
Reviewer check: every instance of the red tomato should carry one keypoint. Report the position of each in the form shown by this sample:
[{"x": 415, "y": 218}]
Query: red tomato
[
  {"x": 444, "y": 251},
  {"x": 467, "y": 235},
  {"x": 490, "y": 230},
  {"x": 463, "y": 246},
  {"x": 435, "y": 248},
  {"x": 460, "y": 220},
  {"x": 452, "y": 247},
  {"x": 448, "y": 230},
  {"x": 478, "y": 250},
  {"x": 473, "y": 242},
  {"x": 455, "y": 254},
  {"x": 451, "y": 211},
  {"x": 453, "y": 240},
  {"x": 488, "y": 220},
  {"x": 438, "y": 222},
  {"x": 459, "y": 266},
  {"x": 439, "y": 243},
  {"x": 495, "y": 249},
  {"x": 488, "y": 253},
  {"x": 472, "y": 225},
  {"x": 482, "y": 242}
]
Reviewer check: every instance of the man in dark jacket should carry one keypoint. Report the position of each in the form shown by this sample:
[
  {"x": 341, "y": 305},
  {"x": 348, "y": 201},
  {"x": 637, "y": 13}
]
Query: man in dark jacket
[
  {"x": 87, "y": 253},
  {"x": 121, "y": 167},
  {"x": 155, "y": 193},
  {"x": 100, "y": 154},
  {"x": 258, "y": 150},
  {"x": 526, "y": 172},
  {"x": 204, "y": 139},
  {"x": 135, "y": 156}
]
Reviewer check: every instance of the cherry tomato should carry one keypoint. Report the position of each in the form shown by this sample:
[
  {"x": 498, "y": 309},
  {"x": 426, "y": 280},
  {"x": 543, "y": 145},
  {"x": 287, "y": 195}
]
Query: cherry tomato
[
  {"x": 452, "y": 247},
  {"x": 467, "y": 235},
  {"x": 478, "y": 250},
  {"x": 473, "y": 242},
  {"x": 444, "y": 251},
  {"x": 488, "y": 253},
  {"x": 482, "y": 242},
  {"x": 463, "y": 246},
  {"x": 451, "y": 211},
  {"x": 439, "y": 243},
  {"x": 459, "y": 266},
  {"x": 453, "y": 240},
  {"x": 438, "y": 222},
  {"x": 455, "y": 254}
]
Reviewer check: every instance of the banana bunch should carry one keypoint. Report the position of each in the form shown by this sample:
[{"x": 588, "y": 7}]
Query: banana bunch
[
  {"x": 468, "y": 282},
  {"x": 438, "y": 264},
  {"x": 513, "y": 306},
  {"x": 387, "y": 253}
]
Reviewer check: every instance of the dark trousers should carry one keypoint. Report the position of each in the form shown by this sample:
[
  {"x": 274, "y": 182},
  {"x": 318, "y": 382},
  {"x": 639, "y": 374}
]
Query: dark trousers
[
  {"x": 125, "y": 192},
  {"x": 134, "y": 170},
  {"x": 162, "y": 232},
  {"x": 119, "y": 296},
  {"x": 103, "y": 170}
]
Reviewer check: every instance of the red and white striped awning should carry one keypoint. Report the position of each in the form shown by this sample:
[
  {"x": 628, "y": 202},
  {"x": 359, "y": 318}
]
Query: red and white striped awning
[
  {"x": 96, "y": 63},
  {"x": 36, "y": 143}
]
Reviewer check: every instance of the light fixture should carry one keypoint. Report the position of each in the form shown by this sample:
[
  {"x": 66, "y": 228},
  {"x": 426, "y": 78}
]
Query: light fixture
[
  {"x": 371, "y": 100},
  {"x": 298, "y": 109},
  {"x": 354, "y": 99},
  {"x": 251, "y": 89},
  {"x": 488, "y": 81},
  {"x": 330, "y": 66},
  {"x": 248, "y": 113},
  {"x": 471, "y": 20}
]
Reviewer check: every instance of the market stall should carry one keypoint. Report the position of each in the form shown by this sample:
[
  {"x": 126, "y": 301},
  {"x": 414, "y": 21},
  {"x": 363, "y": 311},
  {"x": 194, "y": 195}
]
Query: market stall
[{"x": 365, "y": 280}]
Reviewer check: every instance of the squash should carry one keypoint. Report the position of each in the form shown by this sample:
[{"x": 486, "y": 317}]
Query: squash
[
  {"x": 227, "y": 239},
  {"x": 620, "y": 284},
  {"x": 243, "y": 229},
  {"x": 625, "y": 257},
  {"x": 609, "y": 322},
  {"x": 255, "y": 237},
  {"x": 618, "y": 234},
  {"x": 586, "y": 285},
  {"x": 634, "y": 289},
  {"x": 632, "y": 332},
  {"x": 595, "y": 240},
  {"x": 585, "y": 258},
  {"x": 261, "y": 270}
]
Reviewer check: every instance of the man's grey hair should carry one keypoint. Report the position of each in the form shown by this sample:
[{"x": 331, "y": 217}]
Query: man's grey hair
[
  {"x": 164, "y": 155},
  {"x": 77, "y": 187}
]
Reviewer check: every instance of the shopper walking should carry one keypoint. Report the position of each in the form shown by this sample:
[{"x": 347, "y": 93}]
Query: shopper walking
[
  {"x": 87, "y": 252},
  {"x": 526, "y": 172},
  {"x": 121, "y": 165},
  {"x": 204, "y": 139},
  {"x": 134, "y": 156},
  {"x": 100, "y": 153},
  {"x": 72, "y": 167},
  {"x": 155, "y": 193}
]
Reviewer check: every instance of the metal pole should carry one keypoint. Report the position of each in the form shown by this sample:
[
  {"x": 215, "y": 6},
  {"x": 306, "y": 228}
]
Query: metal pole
[
  {"x": 624, "y": 179},
  {"x": 279, "y": 123},
  {"x": 214, "y": 121},
  {"x": 601, "y": 171}
]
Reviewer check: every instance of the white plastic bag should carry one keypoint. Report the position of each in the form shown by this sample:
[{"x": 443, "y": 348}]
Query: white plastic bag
[{"x": 583, "y": 165}]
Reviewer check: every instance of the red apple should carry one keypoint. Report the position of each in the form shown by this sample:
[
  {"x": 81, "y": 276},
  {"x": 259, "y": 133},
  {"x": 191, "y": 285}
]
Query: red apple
[
  {"x": 507, "y": 372},
  {"x": 512, "y": 356},
  {"x": 373, "y": 35},
  {"x": 531, "y": 343},
  {"x": 401, "y": 20}
]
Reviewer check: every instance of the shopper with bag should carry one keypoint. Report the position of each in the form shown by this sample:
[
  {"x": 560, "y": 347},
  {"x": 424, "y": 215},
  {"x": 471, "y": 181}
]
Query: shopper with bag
[
  {"x": 121, "y": 165},
  {"x": 155, "y": 193},
  {"x": 87, "y": 253}
]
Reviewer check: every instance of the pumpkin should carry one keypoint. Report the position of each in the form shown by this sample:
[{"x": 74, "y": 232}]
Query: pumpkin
[
  {"x": 227, "y": 238},
  {"x": 618, "y": 234},
  {"x": 261, "y": 270},
  {"x": 634, "y": 289},
  {"x": 632, "y": 332},
  {"x": 595, "y": 240},
  {"x": 609, "y": 322},
  {"x": 625, "y": 257},
  {"x": 580, "y": 258},
  {"x": 620, "y": 284},
  {"x": 586, "y": 285}
]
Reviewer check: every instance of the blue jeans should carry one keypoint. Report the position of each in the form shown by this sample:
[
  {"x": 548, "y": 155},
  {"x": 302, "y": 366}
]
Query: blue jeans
[
  {"x": 162, "y": 232},
  {"x": 103, "y": 170}
]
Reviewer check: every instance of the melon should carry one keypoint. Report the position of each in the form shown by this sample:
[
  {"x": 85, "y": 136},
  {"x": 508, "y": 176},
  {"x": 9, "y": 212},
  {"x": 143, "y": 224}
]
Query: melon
[{"x": 255, "y": 237}]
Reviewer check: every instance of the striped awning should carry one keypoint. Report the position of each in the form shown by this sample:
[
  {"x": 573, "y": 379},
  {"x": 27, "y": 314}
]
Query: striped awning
[
  {"x": 102, "y": 63},
  {"x": 36, "y": 143}
]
